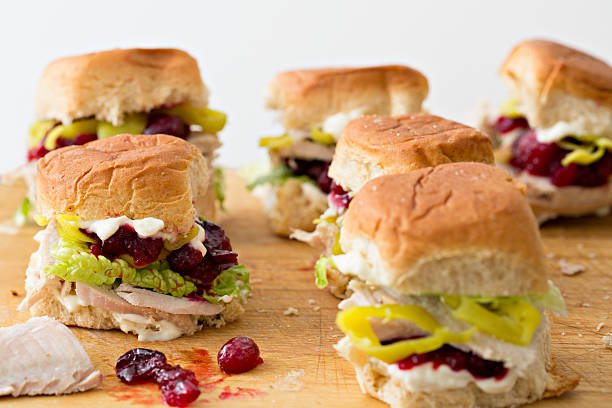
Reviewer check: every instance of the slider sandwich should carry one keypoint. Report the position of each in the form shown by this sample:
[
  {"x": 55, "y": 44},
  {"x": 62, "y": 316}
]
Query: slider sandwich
[
  {"x": 138, "y": 91},
  {"x": 374, "y": 146},
  {"x": 556, "y": 131},
  {"x": 449, "y": 291},
  {"x": 315, "y": 106},
  {"x": 124, "y": 247}
]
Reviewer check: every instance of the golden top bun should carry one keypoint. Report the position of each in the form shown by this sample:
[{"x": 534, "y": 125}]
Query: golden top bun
[
  {"x": 109, "y": 84},
  {"x": 556, "y": 83},
  {"x": 307, "y": 97},
  {"x": 137, "y": 176},
  {"x": 459, "y": 228},
  {"x": 373, "y": 146}
]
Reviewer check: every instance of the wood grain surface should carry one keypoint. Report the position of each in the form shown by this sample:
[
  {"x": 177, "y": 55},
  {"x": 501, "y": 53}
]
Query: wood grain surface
[{"x": 282, "y": 277}]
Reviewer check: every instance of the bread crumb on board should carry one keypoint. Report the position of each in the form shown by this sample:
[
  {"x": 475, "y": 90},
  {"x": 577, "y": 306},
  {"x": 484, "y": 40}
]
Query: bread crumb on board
[
  {"x": 291, "y": 311},
  {"x": 607, "y": 340},
  {"x": 570, "y": 269},
  {"x": 290, "y": 382},
  {"x": 599, "y": 326}
]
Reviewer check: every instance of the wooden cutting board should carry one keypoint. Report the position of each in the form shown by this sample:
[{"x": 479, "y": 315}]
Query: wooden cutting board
[{"x": 300, "y": 366}]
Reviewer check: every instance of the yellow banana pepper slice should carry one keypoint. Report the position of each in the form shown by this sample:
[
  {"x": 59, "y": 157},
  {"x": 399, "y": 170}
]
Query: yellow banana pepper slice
[
  {"x": 592, "y": 150},
  {"x": 171, "y": 246},
  {"x": 276, "y": 142},
  {"x": 68, "y": 228},
  {"x": 512, "y": 321},
  {"x": 322, "y": 137},
  {"x": 211, "y": 121},
  {"x": 133, "y": 124},
  {"x": 510, "y": 108},
  {"x": 355, "y": 324},
  {"x": 38, "y": 131}
]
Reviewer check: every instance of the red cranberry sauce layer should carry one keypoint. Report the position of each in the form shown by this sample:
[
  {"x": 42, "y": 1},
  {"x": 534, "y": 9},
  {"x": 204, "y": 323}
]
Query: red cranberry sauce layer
[
  {"x": 314, "y": 169},
  {"x": 186, "y": 260},
  {"x": 179, "y": 387},
  {"x": 156, "y": 123},
  {"x": 338, "y": 197},
  {"x": 544, "y": 159},
  {"x": 456, "y": 360}
]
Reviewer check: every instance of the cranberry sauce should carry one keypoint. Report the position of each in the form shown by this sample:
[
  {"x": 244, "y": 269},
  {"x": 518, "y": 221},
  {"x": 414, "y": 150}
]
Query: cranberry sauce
[
  {"x": 179, "y": 386},
  {"x": 314, "y": 169},
  {"x": 456, "y": 360},
  {"x": 544, "y": 159},
  {"x": 186, "y": 260},
  {"x": 156, "y": 123},
  {"x": 127, "y": 242},
  {"x": 339, "y": 198},
  {"x": 239, "y": 355}
]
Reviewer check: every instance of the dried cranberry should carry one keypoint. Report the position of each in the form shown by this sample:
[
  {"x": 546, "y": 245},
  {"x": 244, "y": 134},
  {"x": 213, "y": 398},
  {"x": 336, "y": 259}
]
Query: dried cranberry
[
  {"x": 84, "y": 138},
  {"x": 339, "y": 197},
  {"x": 167, "y": 374},
  {"x": 239, "y": 355},
  {"x": 205, "y": 273},
  {"x": 223, "y": 256},
  {"x": 139, "y": 365},
  {"x": 540, "y": 158},
  {"x": 314, "y": 169},
  {"x": 564, "y": 175},
  {"x": 215, "y": 236},
  {"x": 180, "y": 393},
  {"x": 184, "y": 259},
  {"x": 505, "y": 124},
  {"x": 143, "y": 250},
  {"x": 522, "y": 148},
  {"x": 168, "y": 125},
  {"x": 115, "y": 244}
]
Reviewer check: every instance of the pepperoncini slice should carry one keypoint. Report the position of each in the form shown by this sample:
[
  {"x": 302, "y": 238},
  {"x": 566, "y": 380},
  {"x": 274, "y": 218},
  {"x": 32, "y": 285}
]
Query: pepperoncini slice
[
  {"x": 330, "y": 220},
  {"x": 512, "y": 321},
  {"x": 355, "y": 324},
  {"x": 211, "y": 121},
  {"x": 68, "y": 228},
  {"x": 322, "y": 137},
  {"x": 133, "y": 124},
  {"x": 80, "y": 127},
  {"x": 336, "y": 248},
  {"x": 592, "y": 149},
  {"x": 171, "y": 246},
  {"x": 276, "y": 142},
  {"x": 40, "y": 220},
  {"x": 510, "y": 108},
  {"x": 38, "y": 131}
]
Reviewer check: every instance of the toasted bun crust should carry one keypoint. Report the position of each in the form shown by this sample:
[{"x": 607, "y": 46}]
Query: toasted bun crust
[
  {"x": 557, "y": 83},
  {"x": 137, "y": 176},
  {"x": 109, "y": 84},
  {"x": 307, "y": 97},
  {"x": 373, "y": 146},
  {"x": 379, "y": 384},
  {"x": 459, "y": 228}
]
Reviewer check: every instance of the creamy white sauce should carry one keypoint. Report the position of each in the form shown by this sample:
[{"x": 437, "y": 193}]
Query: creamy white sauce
[
  {"x": 146, "y": 328},
  {"x": 197, "y": 242},
  {"x": 71, "y": 302},
  {"x": 425, "y": 378},
  {"x": 335, "y": 124},
  {"x": 145, "y": 227},
  {"x": 558, "y": 132}
]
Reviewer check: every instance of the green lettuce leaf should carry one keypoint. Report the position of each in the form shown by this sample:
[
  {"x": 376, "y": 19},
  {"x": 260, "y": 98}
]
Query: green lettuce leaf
[
  {"x": 23, "y": 212},
  {"x": 231, "y": 282},
  {"x": 219, "y": 187},
  {"x": 73, "y": 264},
  {"x": 321, "y": 271},
  {"x": 277, "y": 176}
]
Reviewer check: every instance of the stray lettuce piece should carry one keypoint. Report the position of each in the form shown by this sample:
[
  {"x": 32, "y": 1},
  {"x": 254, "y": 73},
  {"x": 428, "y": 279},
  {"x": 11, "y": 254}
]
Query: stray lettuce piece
[
  {"x": 23, "y": 212},
  {"x": 277, "y": 177},
  {"x": 231, "y": 282},
  {"x": 219, "y": 187},
  {"x": 73, "y": 264},
  {"x": 321, "y": 271}
]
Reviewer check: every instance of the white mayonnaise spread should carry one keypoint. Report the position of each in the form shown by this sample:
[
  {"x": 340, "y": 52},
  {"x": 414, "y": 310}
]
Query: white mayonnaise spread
[
  {"x": 197, "y": 241},
  {"x": 145, "y": 227},
  {"x": 427, "y": 378},
  {"x": 146, "y": 328},
  {"x": 558, "y": 132},
  {"x": 335, "y": 124}
]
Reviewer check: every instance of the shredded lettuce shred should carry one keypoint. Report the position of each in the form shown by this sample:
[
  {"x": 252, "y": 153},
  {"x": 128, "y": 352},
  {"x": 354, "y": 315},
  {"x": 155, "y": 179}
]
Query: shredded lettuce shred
[
  {"x": 74, "y": 264},
  {"x": 219, "y": 187},
  {"x": 23, "y": 212},
  {"x": 231, "y": 282},
  {"x": 277, "y": 176},
  {"x": 321, "y": 271}
]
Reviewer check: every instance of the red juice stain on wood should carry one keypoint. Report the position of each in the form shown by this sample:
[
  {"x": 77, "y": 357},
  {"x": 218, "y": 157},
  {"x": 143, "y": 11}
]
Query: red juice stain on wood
[
  {"x": 204, "y": 367},
  {"x": 142, "y": 394},
  {"x": 240, "y": 393}
]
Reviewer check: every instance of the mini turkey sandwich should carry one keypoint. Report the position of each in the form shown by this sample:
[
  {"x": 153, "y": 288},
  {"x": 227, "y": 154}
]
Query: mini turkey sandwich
[
  {"x": 136, "y": 91},
  {"x": 556, "y": 131},
  {"x": 373, "y": 146},
  {"x": 449, "y": 291},
  {"x": 124, "y": 247},
  {"x": 315, "y": 106}
]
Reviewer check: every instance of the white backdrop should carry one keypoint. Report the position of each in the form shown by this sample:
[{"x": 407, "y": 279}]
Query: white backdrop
[{"x": 240, "y": 45}]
